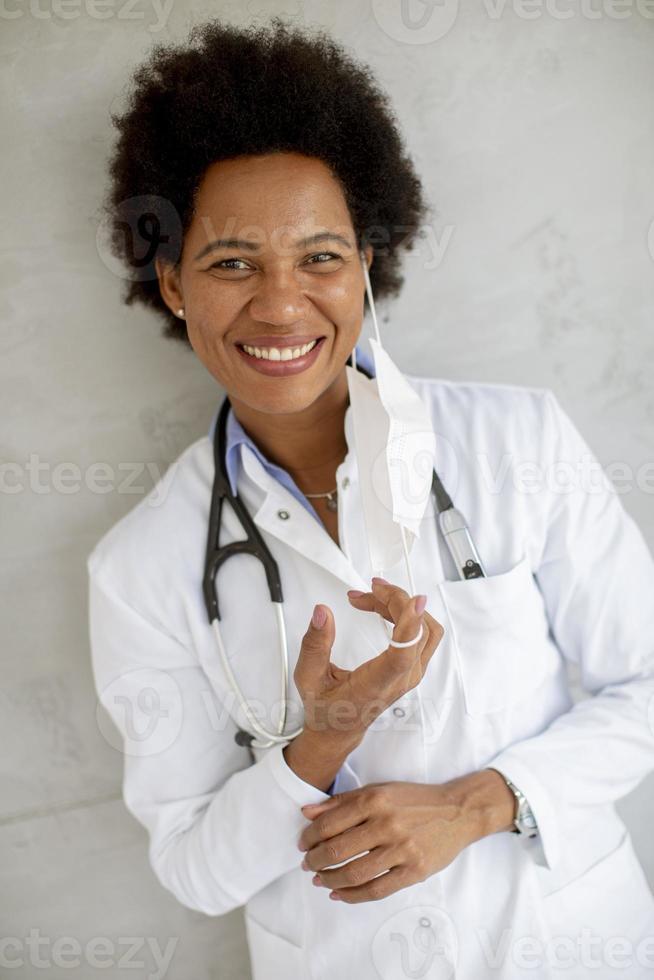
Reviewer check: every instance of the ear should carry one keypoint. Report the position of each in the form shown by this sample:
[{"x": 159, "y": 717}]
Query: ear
[{"x": 169, "y": 285}]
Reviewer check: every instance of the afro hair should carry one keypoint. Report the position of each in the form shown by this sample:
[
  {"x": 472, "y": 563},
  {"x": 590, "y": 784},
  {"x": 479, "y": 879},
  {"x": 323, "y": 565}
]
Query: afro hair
[{"x": 230, "y": 91}]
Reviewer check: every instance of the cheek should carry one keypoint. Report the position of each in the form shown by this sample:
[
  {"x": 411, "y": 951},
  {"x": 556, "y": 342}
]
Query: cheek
[
  {"x": 341, "y": 300},
  {"x": 206, "y": 332},
  {"x": 212, "y": 308},
  {"x": 211, "y": 311},
  {"x": 339, "y": 292}
]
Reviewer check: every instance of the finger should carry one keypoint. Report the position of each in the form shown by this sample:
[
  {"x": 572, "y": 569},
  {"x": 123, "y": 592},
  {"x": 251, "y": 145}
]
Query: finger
[
  {"x": 408, "y": 623},
  {"x": 390, "y": 602},
  {"x": 359, "y": 871},
  {"x": 435, "y": 634},
  {"x": 312, "y": 809},
  {"x": 394, "y": 596},
  {"x": 343, "y": 847},
  {"x": 315, "y": 650},
  {"x": 369, "y": 602},
  {"x": 380, "y": 887},
  {"x": 347, "y": 812},
  {"x": 394, "y": 659}
]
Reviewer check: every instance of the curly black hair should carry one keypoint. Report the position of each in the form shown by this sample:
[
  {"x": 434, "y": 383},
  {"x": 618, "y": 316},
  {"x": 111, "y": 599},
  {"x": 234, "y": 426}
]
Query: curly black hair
[{"x": 230, "y": 91}]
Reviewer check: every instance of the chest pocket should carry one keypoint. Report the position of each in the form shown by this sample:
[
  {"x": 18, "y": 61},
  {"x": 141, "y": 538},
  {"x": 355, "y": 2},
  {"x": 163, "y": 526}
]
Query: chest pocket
[{"x": 500, "y": 634}]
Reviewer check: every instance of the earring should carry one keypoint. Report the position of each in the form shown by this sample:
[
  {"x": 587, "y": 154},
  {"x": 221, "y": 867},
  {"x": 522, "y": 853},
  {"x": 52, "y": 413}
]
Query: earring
[{"x": 180, "y": 311}]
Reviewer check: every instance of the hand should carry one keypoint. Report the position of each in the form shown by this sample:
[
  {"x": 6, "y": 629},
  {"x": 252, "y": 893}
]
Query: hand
[
  {"x": 344, "y": 703},
  {"x": 411, "y": 831}
]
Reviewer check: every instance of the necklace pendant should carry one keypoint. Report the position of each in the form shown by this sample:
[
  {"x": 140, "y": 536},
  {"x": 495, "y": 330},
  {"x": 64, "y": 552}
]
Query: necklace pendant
[{"x": 332, "y": 502}]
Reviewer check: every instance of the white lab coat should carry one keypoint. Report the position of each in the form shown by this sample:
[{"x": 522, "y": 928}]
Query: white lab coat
[{"x": 570, "y": 584}]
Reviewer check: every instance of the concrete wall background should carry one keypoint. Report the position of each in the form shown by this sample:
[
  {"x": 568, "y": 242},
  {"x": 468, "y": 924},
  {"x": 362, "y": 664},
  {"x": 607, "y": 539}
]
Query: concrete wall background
[{"x": 533, "y": 132}]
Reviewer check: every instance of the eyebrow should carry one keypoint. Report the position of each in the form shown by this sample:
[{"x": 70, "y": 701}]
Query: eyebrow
[{"x": 321, "y": 236}]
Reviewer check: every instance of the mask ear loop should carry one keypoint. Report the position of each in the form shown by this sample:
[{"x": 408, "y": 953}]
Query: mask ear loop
[
  {"x": 369, "y": 295},
  {"x": 412, "y": 588}
]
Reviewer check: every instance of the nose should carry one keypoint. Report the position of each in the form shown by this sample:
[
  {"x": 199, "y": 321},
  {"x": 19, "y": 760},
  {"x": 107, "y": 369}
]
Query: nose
[{"x": 279, "y": 299}]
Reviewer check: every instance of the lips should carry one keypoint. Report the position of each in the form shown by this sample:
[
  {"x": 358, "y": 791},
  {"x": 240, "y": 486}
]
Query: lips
[{"x": 280, "y": 369}]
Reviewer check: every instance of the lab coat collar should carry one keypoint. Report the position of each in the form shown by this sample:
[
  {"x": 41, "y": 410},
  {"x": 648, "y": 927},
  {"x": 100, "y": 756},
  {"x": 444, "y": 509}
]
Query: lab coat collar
[{"x": 299, "y": 530}]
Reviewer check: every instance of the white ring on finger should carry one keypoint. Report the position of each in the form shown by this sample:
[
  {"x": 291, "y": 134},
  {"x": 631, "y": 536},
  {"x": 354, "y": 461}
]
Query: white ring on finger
[{"x": 408, "y": 643}]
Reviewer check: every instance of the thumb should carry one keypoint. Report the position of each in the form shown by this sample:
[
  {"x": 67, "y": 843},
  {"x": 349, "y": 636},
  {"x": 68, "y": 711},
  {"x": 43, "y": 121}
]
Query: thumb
[{"x": 317, "y": 643}]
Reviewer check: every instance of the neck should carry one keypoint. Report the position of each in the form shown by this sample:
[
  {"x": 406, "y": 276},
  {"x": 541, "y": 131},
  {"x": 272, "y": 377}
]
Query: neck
[{"x": 309, "y": 445}]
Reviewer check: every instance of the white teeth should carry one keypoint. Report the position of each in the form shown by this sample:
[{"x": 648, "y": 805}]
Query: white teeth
[{"x": 279, "y": 353}]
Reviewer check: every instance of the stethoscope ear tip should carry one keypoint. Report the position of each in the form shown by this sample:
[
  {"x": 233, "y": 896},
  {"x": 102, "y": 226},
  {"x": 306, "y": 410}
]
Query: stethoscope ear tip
[{"x": 243, "y": 738}]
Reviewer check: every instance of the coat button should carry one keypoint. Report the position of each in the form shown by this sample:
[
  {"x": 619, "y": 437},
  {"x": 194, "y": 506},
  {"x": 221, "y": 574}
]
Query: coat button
[
  {"x": 345, "y": 482},
  {"x": 284, "y": 514},
  {"x": 400, "y": 712}
]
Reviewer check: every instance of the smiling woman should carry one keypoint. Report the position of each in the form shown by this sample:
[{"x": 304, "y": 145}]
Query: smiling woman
[
  {"x": 257, "y": 199},
  {"x": 259, "y": 188}
]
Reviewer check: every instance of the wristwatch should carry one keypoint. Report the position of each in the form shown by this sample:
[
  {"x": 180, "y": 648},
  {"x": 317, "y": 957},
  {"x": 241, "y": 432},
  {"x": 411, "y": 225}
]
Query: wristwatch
[{"x": 524, "y": 821}]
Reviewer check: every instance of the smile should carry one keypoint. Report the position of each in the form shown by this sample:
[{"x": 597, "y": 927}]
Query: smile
[
  {"x": 279, "y": 353},
  {"x": 281, "y": 361}
]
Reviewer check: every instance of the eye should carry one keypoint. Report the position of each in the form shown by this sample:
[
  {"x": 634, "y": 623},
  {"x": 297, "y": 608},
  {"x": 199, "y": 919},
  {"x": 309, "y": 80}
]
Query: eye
[
  {"x": 222, "y": 264},
  {"x": 330, "y": 255},
  {"x": 227, "y": 265}
]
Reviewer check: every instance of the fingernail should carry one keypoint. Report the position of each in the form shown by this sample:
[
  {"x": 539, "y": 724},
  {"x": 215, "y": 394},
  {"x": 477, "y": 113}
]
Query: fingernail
[
  {"x": 376, "y": 578},
  {"x": 337, "y": 898},
  {"x": 420, "y": 604},
  {"x": 319, "y": 617},
  {"x": 304, "y": 864},
  {"x": 355, "y": 593}
]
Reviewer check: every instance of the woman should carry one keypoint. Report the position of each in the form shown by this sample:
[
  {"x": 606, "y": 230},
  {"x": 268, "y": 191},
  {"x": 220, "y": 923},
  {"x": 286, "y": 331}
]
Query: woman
[{"x": 446, "y": 809}]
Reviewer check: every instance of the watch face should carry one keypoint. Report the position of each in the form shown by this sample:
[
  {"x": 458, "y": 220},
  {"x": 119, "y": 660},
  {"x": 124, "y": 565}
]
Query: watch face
[{"x": 526, "y": 819}]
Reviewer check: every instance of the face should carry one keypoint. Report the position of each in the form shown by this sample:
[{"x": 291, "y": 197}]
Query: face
[{"x": 270, "y": 260}]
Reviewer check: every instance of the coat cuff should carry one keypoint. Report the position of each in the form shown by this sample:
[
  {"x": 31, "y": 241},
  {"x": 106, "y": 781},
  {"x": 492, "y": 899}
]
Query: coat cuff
[
  {"x": 299, "y": 791},
  {"x": 545, "y": 847}
]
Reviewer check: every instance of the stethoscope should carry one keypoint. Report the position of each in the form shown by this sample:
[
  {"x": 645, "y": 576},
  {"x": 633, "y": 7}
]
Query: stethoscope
[{"x": 450, "y": 521}]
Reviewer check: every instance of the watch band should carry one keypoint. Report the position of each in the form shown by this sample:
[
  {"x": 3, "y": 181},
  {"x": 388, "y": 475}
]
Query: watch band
[{"x": 524, "y": 821}]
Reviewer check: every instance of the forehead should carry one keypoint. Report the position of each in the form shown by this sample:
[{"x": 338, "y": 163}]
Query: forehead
[{"x": 268, "y": 191}]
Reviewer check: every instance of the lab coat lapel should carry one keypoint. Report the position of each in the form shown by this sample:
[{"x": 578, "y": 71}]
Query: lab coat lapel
[{"x": 300, "y": 530}]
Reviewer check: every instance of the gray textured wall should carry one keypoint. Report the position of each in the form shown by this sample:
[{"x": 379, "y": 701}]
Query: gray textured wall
[{"x": 532, "y": 128}]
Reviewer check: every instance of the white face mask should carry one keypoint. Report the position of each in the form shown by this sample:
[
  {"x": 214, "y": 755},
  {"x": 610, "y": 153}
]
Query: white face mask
[{"x": 395, "y": 448}]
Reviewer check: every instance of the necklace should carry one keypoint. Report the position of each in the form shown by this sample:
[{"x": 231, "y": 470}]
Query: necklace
[{"x": 332, "y": 503}]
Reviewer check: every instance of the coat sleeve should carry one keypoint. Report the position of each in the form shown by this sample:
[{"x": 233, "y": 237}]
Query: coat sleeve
[
  {"x": 596, "y": 576},
  {"x": 220, "y": 826}
]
